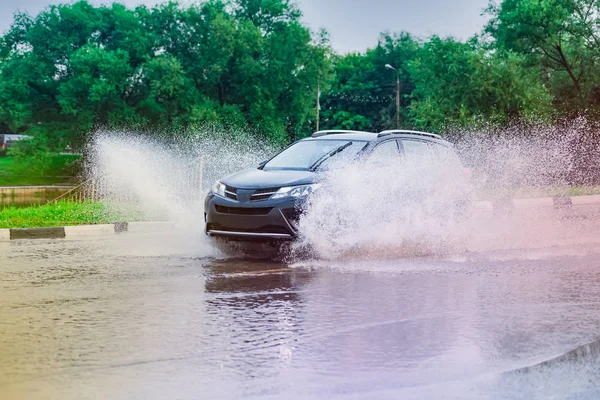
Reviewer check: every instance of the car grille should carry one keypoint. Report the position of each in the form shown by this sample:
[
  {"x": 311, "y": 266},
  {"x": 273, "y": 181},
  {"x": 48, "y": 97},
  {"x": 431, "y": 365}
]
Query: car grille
[
  {"x": 263, "y": 194},
  {"x": 231, "y": 192},
  {"x": 243, "y": 211}
]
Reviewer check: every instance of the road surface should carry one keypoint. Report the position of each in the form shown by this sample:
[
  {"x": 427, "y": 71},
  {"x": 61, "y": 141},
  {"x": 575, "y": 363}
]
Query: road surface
[{"x": 163, "y": 316}]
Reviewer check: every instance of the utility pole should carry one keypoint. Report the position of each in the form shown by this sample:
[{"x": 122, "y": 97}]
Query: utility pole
[
  {"x": 318, "y": 102},
  {"x": 388, "y": 66}
]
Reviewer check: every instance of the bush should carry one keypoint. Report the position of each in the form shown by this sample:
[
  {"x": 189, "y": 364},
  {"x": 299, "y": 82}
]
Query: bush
[{"x": 34, "y": 153}]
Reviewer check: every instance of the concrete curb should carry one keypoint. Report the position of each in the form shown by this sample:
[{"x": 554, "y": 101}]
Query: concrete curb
[
  {"x": 37, "y": 233},
  {"x": 149, "y": 226},
  {"x": 70, "y": 232},
  {"x": 542, "y": 202}
]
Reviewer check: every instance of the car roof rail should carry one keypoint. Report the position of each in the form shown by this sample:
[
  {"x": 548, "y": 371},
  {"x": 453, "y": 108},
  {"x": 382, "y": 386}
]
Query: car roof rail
[
  {"x": 407, "y": 132},
  {"x": 331, "y": 132}
]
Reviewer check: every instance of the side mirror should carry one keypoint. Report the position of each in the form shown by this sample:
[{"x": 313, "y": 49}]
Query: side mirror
[{"x": 262, "y": 164}]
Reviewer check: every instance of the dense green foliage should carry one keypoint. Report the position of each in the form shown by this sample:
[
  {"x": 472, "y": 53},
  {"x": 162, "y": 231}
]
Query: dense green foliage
[
  {"x": 252, "y": 63},
  {"x": 75, "y": 67},
  {"x": 62, "y": 214},
  {"x": 560, "y": 39},
  {"x": 444, "y": 83}
]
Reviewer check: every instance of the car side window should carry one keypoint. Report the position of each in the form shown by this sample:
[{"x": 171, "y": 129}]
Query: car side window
[
  {"x": 417, "y": 153},
  {"x": 385, "y": 152}
]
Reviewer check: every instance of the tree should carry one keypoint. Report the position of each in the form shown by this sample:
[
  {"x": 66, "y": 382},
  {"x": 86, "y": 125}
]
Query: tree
[
  {"x": 254, "y": 64},
  {"x": 362, "y": 94},
  {"x": 170, "y": 92},
  {"x": 462, "y": 83},
  {"x": 93, "y": 88},
  {"x": 74, "y": 67},
  {"x": 560, "y": 37}
]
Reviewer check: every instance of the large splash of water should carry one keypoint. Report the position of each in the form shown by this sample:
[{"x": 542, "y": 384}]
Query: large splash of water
[
  {"x": 532, "y": 156},
  {"x": 361, "y": 209},
  {"x": 167, "y": 179},
  {"x": 383, "y": 210}
]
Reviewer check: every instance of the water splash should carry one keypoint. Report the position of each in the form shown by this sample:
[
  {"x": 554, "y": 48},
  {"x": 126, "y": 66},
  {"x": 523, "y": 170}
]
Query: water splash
[
  {"x": 532, "y": 156},
  {"x": 369, "y": 212},
  {"x": 164, "y": 179},
  {"x": 360, "y": 211},
  {"x": 379, "y": 211}
]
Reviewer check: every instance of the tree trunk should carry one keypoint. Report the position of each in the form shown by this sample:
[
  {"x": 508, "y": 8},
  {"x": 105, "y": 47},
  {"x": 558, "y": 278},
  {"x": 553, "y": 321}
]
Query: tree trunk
[{"x": 567, "y": 66}]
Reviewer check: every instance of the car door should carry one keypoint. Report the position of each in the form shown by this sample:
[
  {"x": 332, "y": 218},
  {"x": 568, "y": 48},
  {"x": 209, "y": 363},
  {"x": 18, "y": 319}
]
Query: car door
[
  {"x": 451, "y": 172},
  {"x": 419, "y": 168}
]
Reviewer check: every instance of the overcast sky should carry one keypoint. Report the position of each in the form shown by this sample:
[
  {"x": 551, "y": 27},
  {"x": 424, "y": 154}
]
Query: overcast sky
[{"x": 354, "y": 25}]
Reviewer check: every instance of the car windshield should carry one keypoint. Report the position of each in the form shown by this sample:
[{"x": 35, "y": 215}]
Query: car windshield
[{"x": 312, "y": 154}]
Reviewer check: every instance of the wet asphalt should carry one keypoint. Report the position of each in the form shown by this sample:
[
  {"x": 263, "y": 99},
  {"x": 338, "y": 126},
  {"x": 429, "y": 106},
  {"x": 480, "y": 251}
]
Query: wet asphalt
[{"x": 164, "y": 316}]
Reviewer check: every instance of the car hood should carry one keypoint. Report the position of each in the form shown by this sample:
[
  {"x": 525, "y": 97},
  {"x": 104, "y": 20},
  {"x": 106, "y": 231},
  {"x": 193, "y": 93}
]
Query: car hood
[{"x": 258, "y": 179}]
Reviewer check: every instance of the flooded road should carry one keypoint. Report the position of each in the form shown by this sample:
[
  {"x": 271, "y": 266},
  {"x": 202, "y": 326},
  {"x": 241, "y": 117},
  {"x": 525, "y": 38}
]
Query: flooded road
[{"x": 161, "y": 316}]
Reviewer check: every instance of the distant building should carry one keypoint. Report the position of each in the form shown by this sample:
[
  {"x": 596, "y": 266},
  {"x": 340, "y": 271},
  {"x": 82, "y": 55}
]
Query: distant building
[{"x": 7, "y": 140}]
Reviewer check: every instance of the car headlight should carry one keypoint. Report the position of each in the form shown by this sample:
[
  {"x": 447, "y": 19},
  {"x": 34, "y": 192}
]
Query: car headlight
[
  {"x": 295, "y": 191},
  {"x": 218, "y": 189}
]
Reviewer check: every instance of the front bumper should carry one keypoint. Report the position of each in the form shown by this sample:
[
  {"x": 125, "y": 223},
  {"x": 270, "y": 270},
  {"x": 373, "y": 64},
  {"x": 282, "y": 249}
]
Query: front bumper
[{"x": 269, "y": 220}]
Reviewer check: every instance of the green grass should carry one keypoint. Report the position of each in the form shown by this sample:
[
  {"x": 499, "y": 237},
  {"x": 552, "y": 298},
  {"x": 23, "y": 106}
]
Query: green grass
[
  {"x": 14, "y": 173},
  {"x": 63, "y": 214}
]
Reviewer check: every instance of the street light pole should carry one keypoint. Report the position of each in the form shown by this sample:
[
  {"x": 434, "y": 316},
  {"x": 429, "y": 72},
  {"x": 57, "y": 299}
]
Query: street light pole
[
  {"x": 318, "y": 102},
  {"x": 388, "y": 66}
]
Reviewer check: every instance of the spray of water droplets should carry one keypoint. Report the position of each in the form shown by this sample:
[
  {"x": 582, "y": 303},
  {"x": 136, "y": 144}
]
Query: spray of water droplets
[
  {"x": 167, "y": 179},
  {"x": 360, "y": 209}
]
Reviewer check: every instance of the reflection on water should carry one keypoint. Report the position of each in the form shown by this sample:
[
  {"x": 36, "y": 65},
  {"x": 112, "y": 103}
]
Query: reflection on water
[
  {"x": 125, "y": 318},
  {"x": 24, "y": 196}
]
